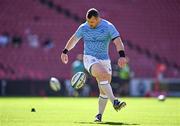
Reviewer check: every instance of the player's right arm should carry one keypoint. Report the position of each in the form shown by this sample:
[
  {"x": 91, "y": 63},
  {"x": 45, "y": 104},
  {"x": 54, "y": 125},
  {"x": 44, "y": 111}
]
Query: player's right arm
[{"x": 70, "y": 45}]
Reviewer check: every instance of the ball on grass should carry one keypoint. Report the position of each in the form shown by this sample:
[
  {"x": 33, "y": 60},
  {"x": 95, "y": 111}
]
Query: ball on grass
[{"x": 161, "y": 97}]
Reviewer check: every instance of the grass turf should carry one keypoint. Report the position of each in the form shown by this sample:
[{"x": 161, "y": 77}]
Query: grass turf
[{"x": 81, "y": 112}]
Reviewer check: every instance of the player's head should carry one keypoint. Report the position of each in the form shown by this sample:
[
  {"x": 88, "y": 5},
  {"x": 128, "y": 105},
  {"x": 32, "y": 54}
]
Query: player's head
[{"x": 92, "y": 17}]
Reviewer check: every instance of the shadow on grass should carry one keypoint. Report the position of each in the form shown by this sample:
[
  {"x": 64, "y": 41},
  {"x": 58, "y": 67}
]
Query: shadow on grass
[{"x": 108, "y": 123}]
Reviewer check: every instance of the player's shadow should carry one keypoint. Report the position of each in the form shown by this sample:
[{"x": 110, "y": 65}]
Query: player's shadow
[
  {"x": 109, "y": 123},
  {"x": 117, "y": 123}
]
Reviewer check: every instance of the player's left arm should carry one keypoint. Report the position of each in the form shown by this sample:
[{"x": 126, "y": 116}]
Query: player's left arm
[{"x": 122, "y": 61}]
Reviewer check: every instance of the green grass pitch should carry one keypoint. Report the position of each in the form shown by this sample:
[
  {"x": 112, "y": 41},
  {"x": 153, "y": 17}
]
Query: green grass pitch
[{"x": 81, "y": 111}]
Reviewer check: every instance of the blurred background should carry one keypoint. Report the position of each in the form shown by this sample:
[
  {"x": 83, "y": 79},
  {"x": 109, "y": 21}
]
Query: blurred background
[{"x": 34, "y": 32}]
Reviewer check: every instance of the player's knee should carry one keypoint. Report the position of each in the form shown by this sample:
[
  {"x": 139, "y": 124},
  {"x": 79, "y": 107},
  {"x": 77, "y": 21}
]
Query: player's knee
[
  {"x": 103, "y": 76},
  {"x": 101, "y": 91}
]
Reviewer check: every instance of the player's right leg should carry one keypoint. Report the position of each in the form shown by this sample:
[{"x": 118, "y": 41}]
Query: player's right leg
[
  {"x": 88, "y": 62},
  {"x": 101, "y": 105}
]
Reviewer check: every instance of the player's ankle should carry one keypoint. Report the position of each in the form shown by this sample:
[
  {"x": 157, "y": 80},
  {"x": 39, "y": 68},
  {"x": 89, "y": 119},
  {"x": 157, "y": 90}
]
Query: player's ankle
[{"x": 112, "y": 100}]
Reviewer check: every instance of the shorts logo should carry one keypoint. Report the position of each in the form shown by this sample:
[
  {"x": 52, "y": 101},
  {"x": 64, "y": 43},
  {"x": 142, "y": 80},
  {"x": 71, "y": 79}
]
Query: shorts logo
[{"x": 93, "y": 60}]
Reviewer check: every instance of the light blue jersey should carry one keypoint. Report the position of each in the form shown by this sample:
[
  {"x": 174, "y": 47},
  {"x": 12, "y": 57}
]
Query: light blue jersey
[{"x": 96, "y": 40}]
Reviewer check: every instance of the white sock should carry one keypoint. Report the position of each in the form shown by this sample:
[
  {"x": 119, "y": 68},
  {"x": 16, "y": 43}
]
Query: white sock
[
  {"x": 102, "y": 103},
  {"x": 106, "y": 87}
]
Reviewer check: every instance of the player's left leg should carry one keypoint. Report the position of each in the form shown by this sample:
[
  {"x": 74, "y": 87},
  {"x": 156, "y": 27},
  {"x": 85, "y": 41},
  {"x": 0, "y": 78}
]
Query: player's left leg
[
  {"x": 107, "y": 65},
  {"x": 103, "y": 77}
]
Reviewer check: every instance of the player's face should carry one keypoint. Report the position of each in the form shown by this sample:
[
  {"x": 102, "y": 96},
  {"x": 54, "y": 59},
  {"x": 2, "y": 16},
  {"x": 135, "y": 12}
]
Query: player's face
[{"x": 93, "y": 21}]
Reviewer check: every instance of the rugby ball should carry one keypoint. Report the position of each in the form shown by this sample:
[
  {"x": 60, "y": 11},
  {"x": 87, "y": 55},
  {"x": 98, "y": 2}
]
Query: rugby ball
[
  {"x": 54, "y": 84},
  {"x": 78, "y": 80},
  {"x": 161, "y": 97}
]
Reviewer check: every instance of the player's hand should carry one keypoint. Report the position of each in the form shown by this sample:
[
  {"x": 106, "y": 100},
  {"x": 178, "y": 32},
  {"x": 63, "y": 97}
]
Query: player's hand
[
  {"x": 122, "y": 61},
  {"x": 64, "y": 58}
]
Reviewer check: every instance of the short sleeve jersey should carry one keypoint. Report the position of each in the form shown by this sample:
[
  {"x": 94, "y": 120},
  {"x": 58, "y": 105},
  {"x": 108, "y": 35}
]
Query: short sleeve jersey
[{"x": 96, "y": 40}]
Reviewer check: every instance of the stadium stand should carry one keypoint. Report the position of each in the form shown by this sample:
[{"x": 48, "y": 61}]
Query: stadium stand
[{"x": 148, "y": 25}]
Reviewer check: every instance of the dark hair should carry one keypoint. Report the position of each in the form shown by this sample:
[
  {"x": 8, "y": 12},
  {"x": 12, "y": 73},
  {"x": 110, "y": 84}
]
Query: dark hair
[{"x": 92, "y": 12}]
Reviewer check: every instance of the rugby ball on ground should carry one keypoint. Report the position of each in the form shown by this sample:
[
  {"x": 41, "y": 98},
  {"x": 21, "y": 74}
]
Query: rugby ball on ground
[{"x": 161, "y": 97}]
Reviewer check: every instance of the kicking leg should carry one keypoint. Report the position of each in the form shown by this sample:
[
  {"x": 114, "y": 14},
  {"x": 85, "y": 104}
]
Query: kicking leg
[{"x": 104, "y": 80}]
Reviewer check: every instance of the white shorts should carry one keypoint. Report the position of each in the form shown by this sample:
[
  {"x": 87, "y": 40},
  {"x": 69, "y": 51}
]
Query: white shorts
[{"x": 90, "y": 60}]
